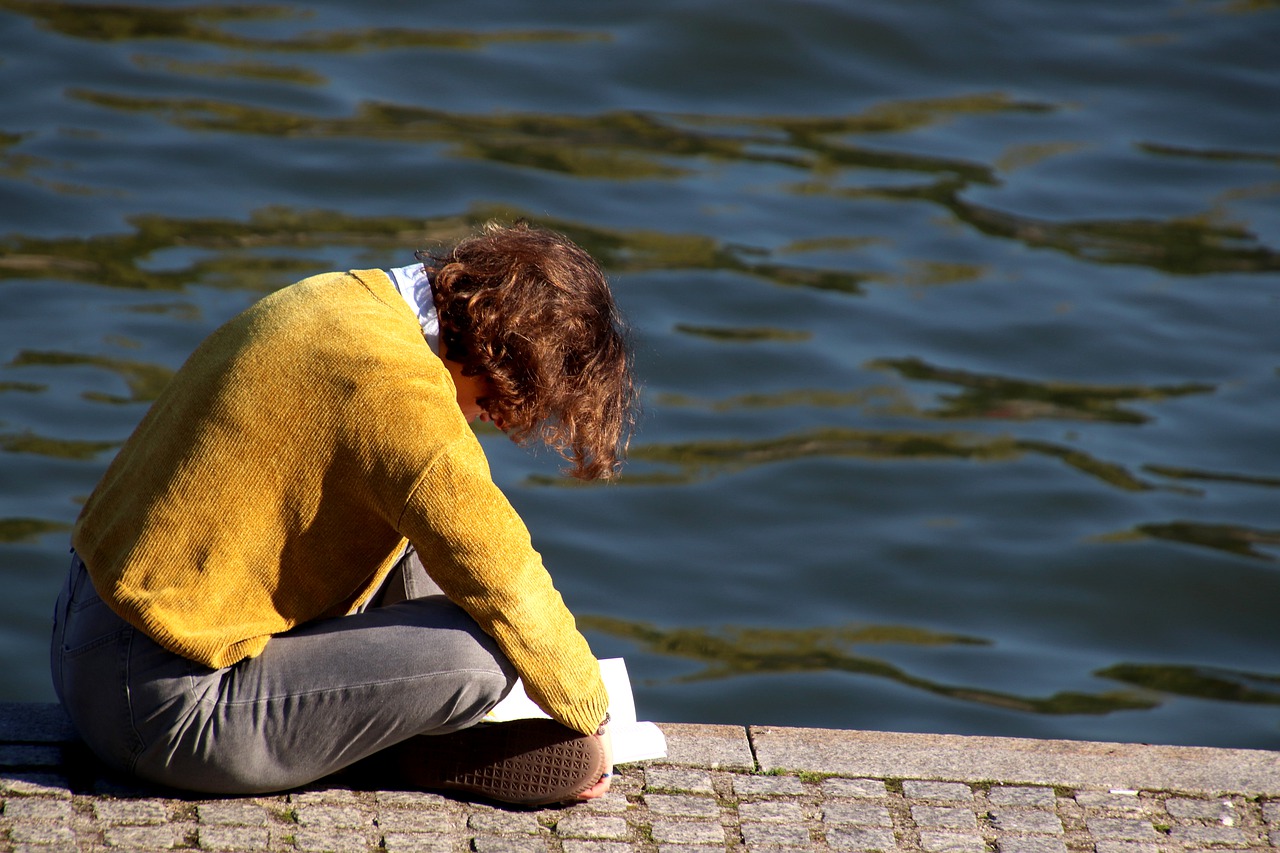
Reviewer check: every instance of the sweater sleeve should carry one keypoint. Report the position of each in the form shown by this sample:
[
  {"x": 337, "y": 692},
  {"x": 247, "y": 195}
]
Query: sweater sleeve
[{"x": 479, "y": 551}]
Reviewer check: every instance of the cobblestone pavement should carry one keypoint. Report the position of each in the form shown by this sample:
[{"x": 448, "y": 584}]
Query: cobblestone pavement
[{"x": 723, "y": 788}]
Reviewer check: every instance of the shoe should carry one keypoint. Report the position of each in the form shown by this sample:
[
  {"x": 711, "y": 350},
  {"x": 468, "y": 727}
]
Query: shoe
[{"x": 522, "y": 762}]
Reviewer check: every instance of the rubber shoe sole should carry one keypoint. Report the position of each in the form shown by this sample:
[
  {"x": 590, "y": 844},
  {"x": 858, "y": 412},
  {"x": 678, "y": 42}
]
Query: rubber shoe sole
[{"x": 521, "y": 762}]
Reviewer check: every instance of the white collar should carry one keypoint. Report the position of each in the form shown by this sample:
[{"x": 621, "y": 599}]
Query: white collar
[{"x": 415, "y": 287}]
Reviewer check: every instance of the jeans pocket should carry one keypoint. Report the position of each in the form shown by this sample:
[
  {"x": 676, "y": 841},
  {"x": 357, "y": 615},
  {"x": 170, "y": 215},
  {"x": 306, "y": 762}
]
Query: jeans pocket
[
  {"x": 89, "y": 622},
  {"x": 94, "y": 689},
  {"x": 90, "y": 669}
]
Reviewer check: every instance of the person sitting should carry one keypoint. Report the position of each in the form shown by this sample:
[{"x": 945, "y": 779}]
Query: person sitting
[{"x": 299, "y": 562}]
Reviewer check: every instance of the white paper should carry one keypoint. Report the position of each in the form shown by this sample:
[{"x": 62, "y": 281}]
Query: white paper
[{"x": 632, "y": 740}]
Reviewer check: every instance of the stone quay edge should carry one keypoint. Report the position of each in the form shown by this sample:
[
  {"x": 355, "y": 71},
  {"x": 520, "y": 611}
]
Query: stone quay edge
[{"x": 721, "y": 788}]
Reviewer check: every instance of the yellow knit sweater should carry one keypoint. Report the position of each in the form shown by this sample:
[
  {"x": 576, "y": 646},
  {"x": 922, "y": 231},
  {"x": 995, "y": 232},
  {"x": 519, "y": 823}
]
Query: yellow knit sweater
[{"x": 277, "y": 477}]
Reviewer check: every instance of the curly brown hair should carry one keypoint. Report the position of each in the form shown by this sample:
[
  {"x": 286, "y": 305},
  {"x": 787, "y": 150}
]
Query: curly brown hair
[{"x": 531, "y": 312}]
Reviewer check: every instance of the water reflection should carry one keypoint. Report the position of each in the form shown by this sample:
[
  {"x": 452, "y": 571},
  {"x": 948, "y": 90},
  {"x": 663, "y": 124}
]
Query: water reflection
[
  {"x": 15, "y": 530},
  {"x": 696, "y": 461},
  {"x": 988, "y": 396},
  {"x": 1177, "y": 473},
  {"x": 1200, "y": 682},
  {"x": 269, "y": 250},
  {"x": 59, "y": 448},
  {"x": 1229, "y": 538},
  {"x": 737, "y": 651},
  {"x": 204, "y": 24},
  {"x": 145, "y": 381},
  {"x": 743, "y": 335},
  {"x": 1184, "y": 246},
  {"x": 617, "y": 145}
]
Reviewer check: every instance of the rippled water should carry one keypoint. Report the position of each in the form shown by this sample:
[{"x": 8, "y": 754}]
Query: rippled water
[{"x": 958, "y": 321}]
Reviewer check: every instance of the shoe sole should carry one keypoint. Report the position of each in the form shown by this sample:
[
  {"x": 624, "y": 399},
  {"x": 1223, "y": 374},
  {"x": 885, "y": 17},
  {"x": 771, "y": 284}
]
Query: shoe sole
[{"x": 522, "y": 762}]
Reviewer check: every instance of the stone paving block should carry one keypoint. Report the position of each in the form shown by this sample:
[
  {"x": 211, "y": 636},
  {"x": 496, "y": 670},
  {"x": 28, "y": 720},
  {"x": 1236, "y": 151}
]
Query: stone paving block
[
  {"x": 333, "y": 817},
  {"x": 1209, "y": 836},
  {"x": 769, "y": 835},
  {"x": 1271, "y": 812},
  {"x": 1030, "y": 844},
  {"x": 41, "y": 834},
  {"x": 613, "y": 802},
  {"x": 1198, "y": 809},
  {"x": 575, "y": 846},
  {"x": 507, "y": 844},
  {"x": 861, "y": 788},
  {"x": 716, "y": 747},
  {"x": 229, "y": 837},
  {"x": 856, "y": 814},
  {"x": 46, "y": 809},
  {"x": 1112, "y": 802},
  {"x": 1107, "y": 846},
  {"x": 964, "y": 758},
  {"x": 133, "y": 812},
  {"x": 417, "y": 820},
  {"x": 35, "y": 784},
  {"x": 949, "y": 792},
  {"x": 771, "y": 811},
  {"x": 944, "y": 817},
  {"x": 678, "y": 779},
  {"x": 329, "y": 841},
  {"x": 684, "y": 848},
  {"x": 419, "y": 842},
  {"x": 1022, "y": 795},
  {"x": 415, "y": 799},
  {"x": 767, "y": 786},
  {"x": 860, "y": 839},
  {"x": 950, "y": 842},
  {"x": 1121, "y": 829},
  {"x": 145, "y": 837},
  {"x": 682, "y": 805},
  {"x": 503, "y": 822},
  {"x": 688, "y": 832},
  {"x": 586, "y": 825},
  {"x": 233, "y": 812},
  {"x": 323, "y": 794},
  {"x": 1027, "y": 822}
]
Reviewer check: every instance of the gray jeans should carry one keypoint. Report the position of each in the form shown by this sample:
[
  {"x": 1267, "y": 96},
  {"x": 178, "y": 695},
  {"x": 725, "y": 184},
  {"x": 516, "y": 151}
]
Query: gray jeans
[{"x": 318, "y": 699}]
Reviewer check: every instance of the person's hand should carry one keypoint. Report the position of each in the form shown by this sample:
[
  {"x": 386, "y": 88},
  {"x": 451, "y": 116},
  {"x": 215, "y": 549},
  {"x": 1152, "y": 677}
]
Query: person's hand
[{"x": 599, "y": 789}]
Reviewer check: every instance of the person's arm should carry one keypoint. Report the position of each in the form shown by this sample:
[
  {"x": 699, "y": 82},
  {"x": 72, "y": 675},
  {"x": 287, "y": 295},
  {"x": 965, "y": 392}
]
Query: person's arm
[{"x": 476, "y": 547}]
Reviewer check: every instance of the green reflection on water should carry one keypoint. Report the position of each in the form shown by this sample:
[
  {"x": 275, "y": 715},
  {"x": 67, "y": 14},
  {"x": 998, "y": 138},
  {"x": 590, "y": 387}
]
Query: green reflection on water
[
  {"x": 145, "y": 381},
  {"x": 265, "y": 71},
  {"x": 700, "y": 460},
  {"x": 618, "y": 145},
  {"x": 249, "y": 255},
  {"x": 200, "y": 23},
  {"x": 738, "y": 651},
  {"x": 60, "y": 448},
  {"x": 879, "y": 400},
  {"x": 15, "y": 530},
  {"x": 1200, "y": 682},
  {"x": 1177, "y": 473},
  {"x": 625, "y": 145},
  {"x": 987, "y": 396},
  {"x": 739, "y": 335},
  {"x": 1183, "y": 246},
  {"x": 1229, "y": 538},
  {"x": 236, "y": 254},
  {"x": 1213, "y": 154},
  {"x": 23, "y": 387}
]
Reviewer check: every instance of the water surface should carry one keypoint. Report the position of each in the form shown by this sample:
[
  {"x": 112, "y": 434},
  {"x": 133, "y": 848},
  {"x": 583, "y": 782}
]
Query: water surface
[{"x": 957, "y": 322}]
